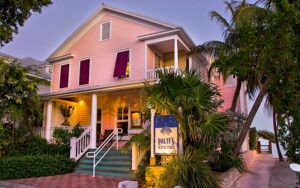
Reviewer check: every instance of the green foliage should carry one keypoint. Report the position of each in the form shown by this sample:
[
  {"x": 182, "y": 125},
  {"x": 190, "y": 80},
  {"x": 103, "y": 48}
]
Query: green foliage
[
  {"x": 13, "y": 14},
  {"x": 77, "y": 131},
  {"x": 266, "y": 135},
  {"x": 252, "y": 138},
  {"x": 39, "y": 146},
  {"x": 193, "y": 102},
  {"x": 18, "y": 93},
  {"x": 189, "y": 170},
  {"x": 142, "y": 140},
  {"x": 35, "y": 145},
  {"x": 34, "y": 166},
  {"x": 61, "y": 136},
  {"x": 225, "y": 161}
]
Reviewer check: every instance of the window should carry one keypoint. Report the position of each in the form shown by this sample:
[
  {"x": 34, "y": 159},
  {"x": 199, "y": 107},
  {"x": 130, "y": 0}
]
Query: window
[
  {"x": 64, "y": 76},
  {"x": 122, "y": 68},
  {"x": 122, "y": 118},
  {"x": 84, "y": 73},
  {"x": 105, "y": 30}
]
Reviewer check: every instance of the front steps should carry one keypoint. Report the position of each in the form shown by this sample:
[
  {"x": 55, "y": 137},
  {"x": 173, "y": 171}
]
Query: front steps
[{"x": 115, "y": 163}]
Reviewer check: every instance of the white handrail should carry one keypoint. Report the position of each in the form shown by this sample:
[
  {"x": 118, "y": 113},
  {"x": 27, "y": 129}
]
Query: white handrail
[
  {"x": 81, "y": 144},
  {"x": 101, "y": 147}
]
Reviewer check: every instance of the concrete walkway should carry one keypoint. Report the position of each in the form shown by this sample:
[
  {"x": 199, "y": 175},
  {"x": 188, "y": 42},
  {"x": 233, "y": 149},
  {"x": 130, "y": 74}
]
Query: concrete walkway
[{"x": 265, "y": 173}]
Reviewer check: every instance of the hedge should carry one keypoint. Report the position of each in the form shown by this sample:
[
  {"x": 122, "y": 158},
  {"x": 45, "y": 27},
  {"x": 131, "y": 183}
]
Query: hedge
[
  {"x": 252, "y": 138},
  {"x": 34, "y": 166}
]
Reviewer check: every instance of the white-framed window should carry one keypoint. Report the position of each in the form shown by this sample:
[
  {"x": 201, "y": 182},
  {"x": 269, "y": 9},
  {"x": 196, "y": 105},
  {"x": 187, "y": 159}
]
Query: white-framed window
[
  {"x": 64, "y": 75},
  {"x": 105, "y": 31},
  {"x": 122, "y": 64},
  {"x": 84, "y": 71},
  {"x": 123, "y": 118}
]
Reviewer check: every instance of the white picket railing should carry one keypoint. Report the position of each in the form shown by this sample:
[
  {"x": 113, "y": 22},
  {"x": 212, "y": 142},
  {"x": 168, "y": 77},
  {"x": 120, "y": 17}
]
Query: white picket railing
[
  {"x": 94, "y": 154},
  {"x": 152, "y": 74},
  {"x": 81, "y": 144},
  {"x": 39, "y": 131}
]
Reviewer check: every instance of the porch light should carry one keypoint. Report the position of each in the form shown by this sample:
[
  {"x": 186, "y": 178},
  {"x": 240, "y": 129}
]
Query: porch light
[{"x": 80, "y": 102}]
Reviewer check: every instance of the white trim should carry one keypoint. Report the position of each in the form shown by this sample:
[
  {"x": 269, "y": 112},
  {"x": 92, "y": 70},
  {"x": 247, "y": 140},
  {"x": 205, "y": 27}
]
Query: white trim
[
  {"x": 176, "y": 55},
  {"x": 154, "y": 41},
  {"x": 130, "y": 61},
  {"x": 146, "y": 61},
  {"x": 90, "y": 73},
  {"x": 184, "y": 45},
  {"x": 60, "y": 65},
  {"x": 110, "y": 26}
]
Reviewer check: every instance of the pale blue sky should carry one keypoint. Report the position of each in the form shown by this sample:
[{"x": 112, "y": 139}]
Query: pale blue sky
[{"x": 44, "y": 32}]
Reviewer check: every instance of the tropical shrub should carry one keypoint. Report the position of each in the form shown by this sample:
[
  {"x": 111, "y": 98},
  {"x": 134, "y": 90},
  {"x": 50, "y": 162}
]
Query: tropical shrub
[
  {"x": 252, "y": 138},
  {"x": 34, "y": 166},
  {"x": 189, "y": 170},
  {"x": 77, "y": 131},
  {"x": 225, "y": 161},
  {"x": 61, "y": 136}
]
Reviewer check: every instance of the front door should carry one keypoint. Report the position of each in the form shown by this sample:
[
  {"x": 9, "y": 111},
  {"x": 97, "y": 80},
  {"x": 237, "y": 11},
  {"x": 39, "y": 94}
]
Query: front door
[{"x": 99, "y": 120}]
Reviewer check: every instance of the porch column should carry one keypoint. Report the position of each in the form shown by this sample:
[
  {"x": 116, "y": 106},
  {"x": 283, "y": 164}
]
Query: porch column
[
  {"x": 175, "y": 54},
  {"x": 152, "y": 159},
  {"x": 94, "y": 120},
  {"x": 190, "y": 62},
  {"x": 48, "y": 121}
]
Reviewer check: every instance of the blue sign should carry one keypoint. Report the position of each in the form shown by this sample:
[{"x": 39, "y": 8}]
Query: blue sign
[{"x": 165, "y": 135}]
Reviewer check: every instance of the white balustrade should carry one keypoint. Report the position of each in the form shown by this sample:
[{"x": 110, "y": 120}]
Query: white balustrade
[
  {"x": 81, "y": 144},
  {"x": 152, "y": 74}
]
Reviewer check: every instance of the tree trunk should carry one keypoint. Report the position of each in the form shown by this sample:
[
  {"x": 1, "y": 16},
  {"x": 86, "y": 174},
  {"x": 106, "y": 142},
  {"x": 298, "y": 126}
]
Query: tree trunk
[
  {"x": 250, "y": 118},
  {"x": 236, "y": 95},
  {"x": 276, "y": 136}
]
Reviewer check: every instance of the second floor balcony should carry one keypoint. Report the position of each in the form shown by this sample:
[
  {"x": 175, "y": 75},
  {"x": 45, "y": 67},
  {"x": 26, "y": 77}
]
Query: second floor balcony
[{"x": 168, "y": 53}]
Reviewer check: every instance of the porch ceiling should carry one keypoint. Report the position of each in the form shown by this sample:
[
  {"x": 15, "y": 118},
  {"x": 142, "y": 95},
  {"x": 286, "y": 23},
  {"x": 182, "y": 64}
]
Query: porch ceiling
[{"x": 166, "y": 46}]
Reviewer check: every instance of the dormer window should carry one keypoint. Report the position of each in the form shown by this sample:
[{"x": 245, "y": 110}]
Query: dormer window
[
  {"x": 122, "y": 69},
  {"x": 105, "y": 31}
]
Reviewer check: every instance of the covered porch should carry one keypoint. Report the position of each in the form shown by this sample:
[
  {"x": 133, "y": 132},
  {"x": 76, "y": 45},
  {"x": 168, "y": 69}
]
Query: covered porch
[{"x": 100, "y": 112}]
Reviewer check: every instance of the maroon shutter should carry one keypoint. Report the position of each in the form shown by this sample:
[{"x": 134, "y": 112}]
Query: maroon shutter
[
  {"x": 121, "y": 64},
  {"x": 84, "y": 75},
  {"x": 64, "y": 76}
]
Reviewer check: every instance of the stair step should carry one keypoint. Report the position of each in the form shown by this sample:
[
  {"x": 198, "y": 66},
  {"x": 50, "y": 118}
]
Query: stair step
[
  {"x": 106, "y": 173},
  {"x": 108, "y": 168},
  {"x": 115, "y": 163},
  {"x": 107, "y": 163}
]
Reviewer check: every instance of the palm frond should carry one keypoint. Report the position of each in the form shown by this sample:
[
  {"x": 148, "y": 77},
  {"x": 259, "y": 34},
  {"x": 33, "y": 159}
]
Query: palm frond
[{"x": 212, "y": 127}]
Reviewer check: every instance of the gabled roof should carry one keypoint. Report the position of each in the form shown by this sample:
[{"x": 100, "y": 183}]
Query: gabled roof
[
  {"x": 103, "y": 8},
  {"x": 28, "y": 61}
]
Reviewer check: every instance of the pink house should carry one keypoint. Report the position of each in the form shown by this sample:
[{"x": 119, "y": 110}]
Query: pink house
[{"x": 99, "y": 71}]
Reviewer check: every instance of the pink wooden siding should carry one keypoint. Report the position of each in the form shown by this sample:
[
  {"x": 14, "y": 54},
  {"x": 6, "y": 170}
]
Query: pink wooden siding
[{"x": 103, "y": 53}]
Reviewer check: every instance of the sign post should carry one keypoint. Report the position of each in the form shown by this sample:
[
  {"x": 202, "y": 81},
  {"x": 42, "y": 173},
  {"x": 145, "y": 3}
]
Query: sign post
[{"x": 166, "y": 140}]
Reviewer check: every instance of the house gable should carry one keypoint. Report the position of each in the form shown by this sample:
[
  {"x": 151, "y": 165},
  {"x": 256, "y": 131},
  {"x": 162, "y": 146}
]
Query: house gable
[{"x": 95, "y": 18}]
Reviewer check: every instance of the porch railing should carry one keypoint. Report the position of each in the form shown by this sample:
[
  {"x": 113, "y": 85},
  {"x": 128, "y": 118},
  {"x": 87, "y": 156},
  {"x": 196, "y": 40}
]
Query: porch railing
[
  {"x": 81, "y": 144},
  {"x": 39, "y": 131},
  {"x": 97, "y": 152},
  {"x": 152, "y": 74}
]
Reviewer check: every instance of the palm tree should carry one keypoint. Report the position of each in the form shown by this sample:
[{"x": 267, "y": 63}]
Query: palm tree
[
  {"x": 228, "y": 56},
  {"x": 193, "y": 103}
]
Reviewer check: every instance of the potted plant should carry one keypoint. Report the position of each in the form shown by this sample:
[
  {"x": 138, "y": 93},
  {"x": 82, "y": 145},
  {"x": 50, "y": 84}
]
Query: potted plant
[{"x": 67, "y": 112}]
